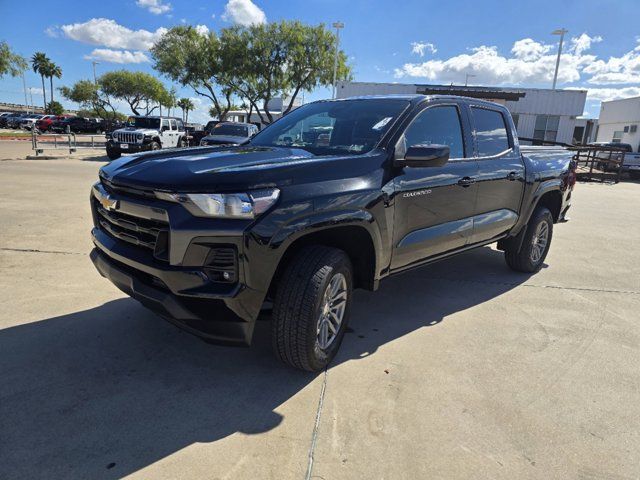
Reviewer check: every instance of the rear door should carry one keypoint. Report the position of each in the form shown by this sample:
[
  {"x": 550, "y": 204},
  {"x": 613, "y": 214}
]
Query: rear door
[
  {"x": 501, "y": 173},
  {"x": 434, "y": 205}
]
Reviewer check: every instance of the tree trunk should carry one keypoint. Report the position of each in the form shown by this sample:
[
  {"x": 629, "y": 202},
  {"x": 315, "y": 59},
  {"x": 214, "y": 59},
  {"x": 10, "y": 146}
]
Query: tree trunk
[
  {"x": 51, "y": 84},
  {"x": 186, "y": 118},
  {"x": 44, "y": 93}
]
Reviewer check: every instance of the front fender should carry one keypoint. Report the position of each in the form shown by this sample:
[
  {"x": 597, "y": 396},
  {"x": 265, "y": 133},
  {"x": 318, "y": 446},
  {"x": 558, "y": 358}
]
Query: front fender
[{"x": 530, "y": 201}]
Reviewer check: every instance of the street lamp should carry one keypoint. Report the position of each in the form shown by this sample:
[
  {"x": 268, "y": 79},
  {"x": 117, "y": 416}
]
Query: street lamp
[
  {"x": 337, "y": 26},
  {"x": 24, "y": 87},
  {"x": 94, "y": 63},
  {"x": 467, "y": 76},
  {"x": 561, "y": 32}
]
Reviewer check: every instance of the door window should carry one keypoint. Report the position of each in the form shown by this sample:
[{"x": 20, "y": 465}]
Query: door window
[
  {"x": 174, "y": 126},
  {"x": 435, "y": 125},
  {"x": 491, "y": 132}
]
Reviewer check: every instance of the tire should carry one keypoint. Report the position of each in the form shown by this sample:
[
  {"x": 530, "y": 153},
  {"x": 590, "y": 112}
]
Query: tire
[
  {"x": 113, "y": 154},
  {"x": 530, "y": 257},
  {"x": 301, "y": 329},
  {"x": 155, "y": 145},
  {"x": 180, "y": 143}
]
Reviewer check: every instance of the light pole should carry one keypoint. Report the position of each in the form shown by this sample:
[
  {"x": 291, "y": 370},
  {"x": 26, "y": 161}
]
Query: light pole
[
  {"x": 467, "y": 76},
  {"x": 337, "y": 26},
  {"x": 94, "y": 63},
  {"x": 24, "y": 87},
  {"x": 560, "y": 32}
]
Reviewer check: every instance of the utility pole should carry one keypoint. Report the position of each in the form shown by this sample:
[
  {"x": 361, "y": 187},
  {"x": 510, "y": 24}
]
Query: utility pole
[
  {"x": 467, "y": 76},
  {"x": 560, "y": 32},
  {"x": 337, "y": 26}
]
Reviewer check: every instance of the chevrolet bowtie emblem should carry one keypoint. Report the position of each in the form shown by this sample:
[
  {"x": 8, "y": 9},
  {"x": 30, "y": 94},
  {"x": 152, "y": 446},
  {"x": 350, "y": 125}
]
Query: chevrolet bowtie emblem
[{"x": 108, "y": 202}]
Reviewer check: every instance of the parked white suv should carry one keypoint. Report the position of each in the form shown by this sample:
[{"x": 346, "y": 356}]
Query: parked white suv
[{"x": 146, "y": 133}]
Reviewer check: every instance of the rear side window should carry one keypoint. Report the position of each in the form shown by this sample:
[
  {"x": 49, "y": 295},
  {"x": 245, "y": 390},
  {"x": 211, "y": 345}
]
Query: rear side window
[
  {"x": 491, "y": 132},
  {"x": 436, "y": 125},
  {"x": 173, "y": 124}
]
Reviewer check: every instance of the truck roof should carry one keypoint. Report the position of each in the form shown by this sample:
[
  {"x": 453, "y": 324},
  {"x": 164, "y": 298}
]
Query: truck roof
[{"x": 416, "y": 98}]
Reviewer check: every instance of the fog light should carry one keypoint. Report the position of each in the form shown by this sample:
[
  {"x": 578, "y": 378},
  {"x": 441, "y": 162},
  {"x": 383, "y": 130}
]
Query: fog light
[{"x": 226, "y": 275}]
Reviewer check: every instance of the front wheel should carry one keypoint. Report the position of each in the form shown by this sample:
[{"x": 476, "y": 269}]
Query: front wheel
[
  {"x": 155, "y": 145},
  {"x": 535, "y": 245},
  {"x": 311, "y": 307},
  {"x": 113, "y": 153}
]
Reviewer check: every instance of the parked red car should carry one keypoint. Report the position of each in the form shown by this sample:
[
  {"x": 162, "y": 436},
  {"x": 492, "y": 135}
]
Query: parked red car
[{"x": 44, "y": 125}]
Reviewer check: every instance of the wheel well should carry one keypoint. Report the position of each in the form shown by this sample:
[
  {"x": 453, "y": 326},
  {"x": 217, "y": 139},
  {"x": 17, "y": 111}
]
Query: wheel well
[
  {"x": 354, "y": 241},
  {"x": 553, "y": 201}
]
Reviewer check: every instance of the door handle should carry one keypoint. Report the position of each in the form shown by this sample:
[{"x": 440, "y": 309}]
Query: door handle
[
  {"x": 512, "y": 176},
  {"x": 466, "y": 181}
]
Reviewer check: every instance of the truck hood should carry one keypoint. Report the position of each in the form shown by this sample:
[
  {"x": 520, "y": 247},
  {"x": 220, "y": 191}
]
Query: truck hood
[{"x": 211, "y": 169}]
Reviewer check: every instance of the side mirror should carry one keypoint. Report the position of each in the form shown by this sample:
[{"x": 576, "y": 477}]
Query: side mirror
[{"x": 418, "y": 156}]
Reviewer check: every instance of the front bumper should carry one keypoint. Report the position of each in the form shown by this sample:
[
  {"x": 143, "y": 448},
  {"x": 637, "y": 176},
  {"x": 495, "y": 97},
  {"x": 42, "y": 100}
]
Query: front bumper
[
  {"x": 180, "y": 286},
  {"x": 219, "y": 324},
  {"x": 130, "y": 148}
]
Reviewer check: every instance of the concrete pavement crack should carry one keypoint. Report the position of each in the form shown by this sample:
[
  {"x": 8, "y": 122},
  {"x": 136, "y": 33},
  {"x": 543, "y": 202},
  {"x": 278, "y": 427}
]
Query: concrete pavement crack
[
  {"x": 316, "y": 426},
  {"x": 34, "y": 250}
]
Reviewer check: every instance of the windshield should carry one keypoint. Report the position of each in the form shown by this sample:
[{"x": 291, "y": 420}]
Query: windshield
[
  {"x": 230, "y": 130},
  {"x": 346, "y": 127},
  {"x": 144, "y": 122}
]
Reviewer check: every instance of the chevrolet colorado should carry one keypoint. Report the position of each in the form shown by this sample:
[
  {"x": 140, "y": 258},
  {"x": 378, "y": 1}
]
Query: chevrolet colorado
[{"x": 208, "y": 236}]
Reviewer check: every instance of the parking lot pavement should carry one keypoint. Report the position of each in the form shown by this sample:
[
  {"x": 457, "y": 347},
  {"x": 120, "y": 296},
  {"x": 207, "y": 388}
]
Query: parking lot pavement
[{"x": 459, "y": 370}]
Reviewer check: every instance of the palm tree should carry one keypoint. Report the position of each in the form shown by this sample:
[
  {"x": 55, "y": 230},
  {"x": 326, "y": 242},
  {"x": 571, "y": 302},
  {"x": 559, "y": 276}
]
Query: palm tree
[
  {"x": 52, "y": 70},
  {"x": 185, "y": 104},
  {"x": 40, "y": 63}
]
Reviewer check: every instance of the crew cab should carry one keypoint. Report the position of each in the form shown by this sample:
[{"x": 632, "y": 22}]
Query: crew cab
[
  {"x": 207, "y": 237},
  {"x": 229, "y": 133},
  {"x": 146, "y": 133}
]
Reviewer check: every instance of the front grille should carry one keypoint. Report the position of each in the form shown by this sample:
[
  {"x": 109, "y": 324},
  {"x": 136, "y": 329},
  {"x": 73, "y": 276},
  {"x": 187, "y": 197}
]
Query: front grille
[
  {"x": 125, "y": 137},
  {"x": 147, "y": 234}
]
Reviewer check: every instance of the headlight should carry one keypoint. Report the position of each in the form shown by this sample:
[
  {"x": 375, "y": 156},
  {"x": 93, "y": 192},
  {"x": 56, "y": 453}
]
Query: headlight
[
  {"x": 225, "y": 205},
  {"x": 203, "y": 143},
  {"x": 140, "y": 136}
]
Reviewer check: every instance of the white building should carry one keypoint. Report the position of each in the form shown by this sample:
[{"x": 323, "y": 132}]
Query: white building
[
  {"x": 276, "y": 107},
  {"x": 618, "y": 122},
  {"x": 541, "y": 114}
]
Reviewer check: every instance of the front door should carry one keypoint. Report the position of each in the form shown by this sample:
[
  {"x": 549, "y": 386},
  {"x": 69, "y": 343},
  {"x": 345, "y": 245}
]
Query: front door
[
  {"x": 501, "y": 175},
  {"x": 434, "y": 205}
]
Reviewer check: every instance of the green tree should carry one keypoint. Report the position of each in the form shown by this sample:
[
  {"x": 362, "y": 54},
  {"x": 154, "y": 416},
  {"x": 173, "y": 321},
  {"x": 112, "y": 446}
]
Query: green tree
[
  {"x": 11, "y": 63},
  {"x": 186, "y": 105},
  {"x": 194, "y": 59},
  {"x": 140, "y": 90},
  {"x": 52, "y": 70},
  {"x": 40, "y": 64},
  {"x": 280, "y": 60},
  {"x": 89, "y": 96},
  {"x": 54, "y": 108}
]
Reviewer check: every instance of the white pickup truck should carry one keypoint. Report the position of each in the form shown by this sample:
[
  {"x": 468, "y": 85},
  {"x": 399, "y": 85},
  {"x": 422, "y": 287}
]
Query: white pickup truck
[{"x": 631, "y": 162}]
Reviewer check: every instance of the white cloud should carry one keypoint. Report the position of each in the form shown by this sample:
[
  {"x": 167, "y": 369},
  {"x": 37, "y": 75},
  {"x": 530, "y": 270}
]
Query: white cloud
[
  {"x": 419, "y": 48},
  {"x": 202, "y": 29},
  {"x": 616, "y": 70},
  {"x": 531, "y": 63},
  {"x": 108, "y": 33},
  {"x": 243, "y": 12},
  {"x": 155, "y": 6},
  {"x": 117, "y": 56},
  {"x": 53, "y": 31},
  {"x": 606, "y": 94},
  {"x": 35, "y": 90},
  {"x": 530, "y": 50}
]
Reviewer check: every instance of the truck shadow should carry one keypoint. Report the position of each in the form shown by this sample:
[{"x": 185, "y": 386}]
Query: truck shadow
[{"x": 105, "y": 392}]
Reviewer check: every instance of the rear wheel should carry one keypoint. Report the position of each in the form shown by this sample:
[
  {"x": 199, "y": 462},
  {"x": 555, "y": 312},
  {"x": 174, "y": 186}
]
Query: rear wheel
[
  {"x": 311, "y": 307},
  {"x": 535, "y": 245}
]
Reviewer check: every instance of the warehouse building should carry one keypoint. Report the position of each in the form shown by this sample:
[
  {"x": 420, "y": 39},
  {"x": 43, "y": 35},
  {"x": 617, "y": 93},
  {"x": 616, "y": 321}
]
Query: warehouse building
[
  {"x": 618, "y": 122},
  {"x": 541, "y": 114}
]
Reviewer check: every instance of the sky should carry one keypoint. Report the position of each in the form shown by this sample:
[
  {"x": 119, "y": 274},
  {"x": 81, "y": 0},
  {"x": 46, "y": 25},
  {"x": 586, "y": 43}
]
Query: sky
[{"x": 507, "y": 43}]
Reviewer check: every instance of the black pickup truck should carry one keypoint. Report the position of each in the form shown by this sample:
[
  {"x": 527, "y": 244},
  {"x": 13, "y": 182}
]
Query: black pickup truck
[{"x": 208, "y": 237}]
